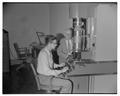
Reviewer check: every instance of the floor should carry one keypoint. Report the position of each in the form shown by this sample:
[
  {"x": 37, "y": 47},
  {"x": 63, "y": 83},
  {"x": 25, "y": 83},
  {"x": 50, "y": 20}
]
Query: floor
[{"x": 20, "y": 82}]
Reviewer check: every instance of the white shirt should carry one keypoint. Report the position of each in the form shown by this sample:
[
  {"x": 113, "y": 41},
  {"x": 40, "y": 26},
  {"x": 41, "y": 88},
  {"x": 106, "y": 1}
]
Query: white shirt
[{"x": 45, "y": 63}]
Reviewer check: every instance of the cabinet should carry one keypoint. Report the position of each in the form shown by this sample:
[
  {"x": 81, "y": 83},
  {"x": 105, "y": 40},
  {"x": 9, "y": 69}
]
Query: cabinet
[
  {"x": 105, "y": 84},
  {"x": 95, "y": 77},
  {"x": 80, "y": 84}
]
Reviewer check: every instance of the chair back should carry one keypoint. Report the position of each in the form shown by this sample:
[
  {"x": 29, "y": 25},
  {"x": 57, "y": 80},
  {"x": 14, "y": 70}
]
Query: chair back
[
  {"x": 33, "y": 69},
  {"x": 41, "y": 37},
  {"x": 35, "y": 75},
  {"x": 22, "y": 53}
]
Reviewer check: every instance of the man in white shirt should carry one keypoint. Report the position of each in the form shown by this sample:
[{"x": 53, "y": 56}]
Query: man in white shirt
[{"x": 45, "y": 67}]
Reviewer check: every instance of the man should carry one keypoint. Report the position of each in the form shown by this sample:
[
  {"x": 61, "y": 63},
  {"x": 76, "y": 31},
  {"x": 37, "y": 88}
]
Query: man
[
  {"x": 46, "y": 67},
  {"x": 66, "y": 46}
]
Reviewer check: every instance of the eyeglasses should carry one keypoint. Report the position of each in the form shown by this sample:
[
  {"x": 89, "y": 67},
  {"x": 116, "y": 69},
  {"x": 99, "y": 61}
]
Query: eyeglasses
[{"x": 54, "y": 43}]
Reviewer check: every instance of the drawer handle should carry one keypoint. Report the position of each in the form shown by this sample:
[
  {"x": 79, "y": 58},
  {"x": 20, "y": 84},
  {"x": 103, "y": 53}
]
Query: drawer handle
[{"x": 78, "y": 86}]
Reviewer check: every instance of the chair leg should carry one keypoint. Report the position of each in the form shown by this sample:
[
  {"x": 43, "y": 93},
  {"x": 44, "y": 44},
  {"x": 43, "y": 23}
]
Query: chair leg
[
  {"x": 38, "y": 84},
  {"x": 19, "y": 67}
]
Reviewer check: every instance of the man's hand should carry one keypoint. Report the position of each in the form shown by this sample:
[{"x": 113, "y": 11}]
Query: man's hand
[
  {"x": 63, "y": 72},
  {"x": 69, "y": 54},
  {"x": 64, "y": 69},
  {"x": 62, "y": 65}
]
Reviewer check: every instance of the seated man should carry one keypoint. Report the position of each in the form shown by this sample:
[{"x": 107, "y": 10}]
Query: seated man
[{"x": 46, "y": 67}]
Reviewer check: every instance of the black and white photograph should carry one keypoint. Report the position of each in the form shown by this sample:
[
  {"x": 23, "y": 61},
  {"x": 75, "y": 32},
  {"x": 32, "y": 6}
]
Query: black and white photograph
[{"x": 59, "y": 48}]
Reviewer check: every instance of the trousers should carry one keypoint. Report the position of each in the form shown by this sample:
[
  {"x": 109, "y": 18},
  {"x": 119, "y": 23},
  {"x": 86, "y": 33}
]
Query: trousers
[{"x": 64, "y": 84}]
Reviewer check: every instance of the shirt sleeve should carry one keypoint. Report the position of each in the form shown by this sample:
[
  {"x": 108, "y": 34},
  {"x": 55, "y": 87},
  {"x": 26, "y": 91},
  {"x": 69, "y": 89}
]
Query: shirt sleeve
[
  {"x": 56, "y": 65},
  {"x": 59, "y": 65}
]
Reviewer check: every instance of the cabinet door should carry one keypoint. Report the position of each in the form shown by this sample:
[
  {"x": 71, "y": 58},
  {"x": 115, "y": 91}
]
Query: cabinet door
[
  {"x": 105, "y": 84},
  {"x": 80, "y": 84}
]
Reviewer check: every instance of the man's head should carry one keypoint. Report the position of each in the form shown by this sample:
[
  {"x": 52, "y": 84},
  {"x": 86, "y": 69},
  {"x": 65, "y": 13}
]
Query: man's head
[
  {"x": 68, "y": 33},
  {"x": 51, "y": 41}
]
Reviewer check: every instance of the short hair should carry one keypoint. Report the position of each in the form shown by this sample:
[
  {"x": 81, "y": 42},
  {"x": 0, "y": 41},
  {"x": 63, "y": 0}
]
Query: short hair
[
  {"x": 68, "y": 31},
  {"x": 50, "y": 38}
]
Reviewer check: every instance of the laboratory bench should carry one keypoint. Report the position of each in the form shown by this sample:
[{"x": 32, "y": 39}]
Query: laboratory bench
[{"x": 94, "y": 77}]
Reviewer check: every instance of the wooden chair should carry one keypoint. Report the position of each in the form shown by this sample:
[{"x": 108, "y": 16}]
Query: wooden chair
[
  {"x": 40, "y": 86},
  {"x": 22, "y": 54}
]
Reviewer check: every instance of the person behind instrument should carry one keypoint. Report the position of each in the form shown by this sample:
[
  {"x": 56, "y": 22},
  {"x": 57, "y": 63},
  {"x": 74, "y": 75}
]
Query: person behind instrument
[
  {"x": 66, "y": 46},
  {"x": 46, "y": 67}
]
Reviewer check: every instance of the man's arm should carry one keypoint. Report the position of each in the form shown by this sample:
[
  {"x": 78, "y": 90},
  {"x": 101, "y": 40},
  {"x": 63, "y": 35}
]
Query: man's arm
[
  {"x": 44, "y": 65},
  {"x": 59, "y": 65}
]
